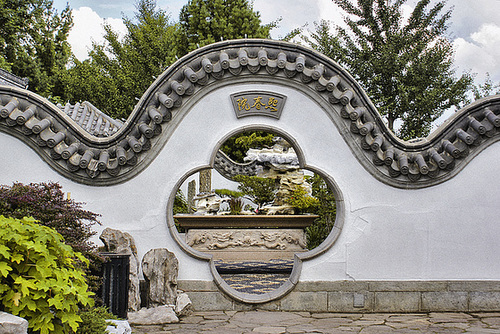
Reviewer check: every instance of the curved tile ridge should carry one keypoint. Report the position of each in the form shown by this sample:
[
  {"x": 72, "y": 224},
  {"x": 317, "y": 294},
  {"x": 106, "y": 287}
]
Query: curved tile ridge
[
  {"x": 230, "y": 168},
  {"x": 114, "y": 159}
]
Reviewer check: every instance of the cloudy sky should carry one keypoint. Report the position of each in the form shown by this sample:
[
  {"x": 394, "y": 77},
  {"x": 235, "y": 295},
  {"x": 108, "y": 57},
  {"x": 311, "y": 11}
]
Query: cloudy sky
[{"x": 474, "y": 29}]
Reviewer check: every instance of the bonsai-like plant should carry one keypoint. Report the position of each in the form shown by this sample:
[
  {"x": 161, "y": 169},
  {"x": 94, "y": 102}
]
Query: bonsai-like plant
[
  {"x": 302, "y": 201},
  {"x": 235, "y": 206},
  {"x": 235, "y": 202},
  {"x": 259, "y": 190}
]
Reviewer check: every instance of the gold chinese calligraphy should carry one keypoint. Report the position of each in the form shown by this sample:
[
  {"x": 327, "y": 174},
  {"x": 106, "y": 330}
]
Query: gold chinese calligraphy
[{"x": 258, "y": 103}]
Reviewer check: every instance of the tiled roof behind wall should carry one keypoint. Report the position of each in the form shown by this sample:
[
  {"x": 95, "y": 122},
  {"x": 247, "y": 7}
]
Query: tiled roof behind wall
[
  {"x": 91, "y": 119},
  {"x": 9, "y": 79}
]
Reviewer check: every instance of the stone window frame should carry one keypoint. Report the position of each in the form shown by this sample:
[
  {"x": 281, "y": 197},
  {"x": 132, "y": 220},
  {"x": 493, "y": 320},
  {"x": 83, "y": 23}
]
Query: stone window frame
[{"x": 299, "y": 258}]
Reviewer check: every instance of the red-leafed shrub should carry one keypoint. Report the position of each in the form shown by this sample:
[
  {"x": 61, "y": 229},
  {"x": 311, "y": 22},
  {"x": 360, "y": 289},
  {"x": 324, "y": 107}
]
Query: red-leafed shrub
[{"x": 49, "y": 205}]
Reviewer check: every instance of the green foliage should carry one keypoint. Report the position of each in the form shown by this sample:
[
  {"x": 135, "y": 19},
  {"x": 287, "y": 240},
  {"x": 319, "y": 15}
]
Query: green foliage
[
  {"x": 228, "y": 193},
  {"x": 326, "y": 209},
  {"x": 260, "y": 190},
  {"x": 39, "y": 280},
  {"x": 33, "y": 42},
  {"x": 236, "y": 147},
  {"x": 302, "y": 201},
  {"x": 203, "y": 22},
  {"x": 180, "y": 203},
  {"x": 405, "y": 67},
  {"x": 119, "y": 71},
  {"x": 48, "y": 204},
  {"x": 487, "y": 89},
  {"x": 235, "y": 206},
  {"x": 94, "y": 320}
]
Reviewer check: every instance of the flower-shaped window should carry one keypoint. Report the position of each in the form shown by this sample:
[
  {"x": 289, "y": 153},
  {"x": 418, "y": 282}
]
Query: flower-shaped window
[{"x": 255, "y": 213}]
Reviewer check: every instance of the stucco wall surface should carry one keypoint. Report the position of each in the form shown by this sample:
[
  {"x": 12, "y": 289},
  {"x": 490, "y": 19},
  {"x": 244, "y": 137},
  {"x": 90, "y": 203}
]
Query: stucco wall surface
[{"x": 445, "y": 232}]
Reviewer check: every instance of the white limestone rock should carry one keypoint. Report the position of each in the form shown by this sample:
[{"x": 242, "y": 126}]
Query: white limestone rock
[
  {"x": 208, "y": 203},
  {"x": 153, "y": 316},
  {"x": 10, "y": 324},
  {"x": 278, "y": 157},
  {"x": 118, "y": 327},
  {"x": 183, "y": 305}
]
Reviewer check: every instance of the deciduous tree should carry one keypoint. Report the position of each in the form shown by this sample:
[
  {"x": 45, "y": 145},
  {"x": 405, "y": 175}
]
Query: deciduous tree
[
  {"x": 405, "y": 65},
  {"x": 33, "y": 42},
  {"x": 118, "y": 72},
  {"x": 488, "y": 88}
]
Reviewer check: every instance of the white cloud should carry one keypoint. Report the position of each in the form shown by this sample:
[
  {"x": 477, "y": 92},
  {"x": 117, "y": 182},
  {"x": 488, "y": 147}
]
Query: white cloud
[
  {"x": 294, "y": 14},
  {"x": 480, "y": 53},
  {"x": 329, "y": 11},
  {"x": 469, "y": 15},
  {"x": 88, "y": 28}
]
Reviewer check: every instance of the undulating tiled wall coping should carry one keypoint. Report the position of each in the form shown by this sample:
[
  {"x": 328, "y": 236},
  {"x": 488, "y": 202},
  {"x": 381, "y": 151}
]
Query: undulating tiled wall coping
[{"x": 102, "y": 161}]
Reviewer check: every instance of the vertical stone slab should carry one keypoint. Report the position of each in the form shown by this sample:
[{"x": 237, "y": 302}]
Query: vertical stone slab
[
  {"x": 190, "y": 195},
  {"x": 119, "y": 242},
  {"x": 160, "y": 268},
  {"x": 205, "y": 181}
]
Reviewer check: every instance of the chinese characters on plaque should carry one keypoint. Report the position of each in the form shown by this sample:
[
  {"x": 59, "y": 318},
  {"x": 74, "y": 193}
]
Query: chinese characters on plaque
[{"x": 258, "y": 103}]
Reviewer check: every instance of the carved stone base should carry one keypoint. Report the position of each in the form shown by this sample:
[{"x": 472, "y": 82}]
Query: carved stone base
[{"x": 248, "y": 244}]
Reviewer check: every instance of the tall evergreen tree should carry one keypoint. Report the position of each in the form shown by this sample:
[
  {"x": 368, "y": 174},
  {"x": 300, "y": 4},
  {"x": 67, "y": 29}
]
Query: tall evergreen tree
[
  {"x": 119, "y": 71},
  {"x": 203, "y": 22},
  {"x": 406, "y": 66},
  {"x": 33, "y": 42}
]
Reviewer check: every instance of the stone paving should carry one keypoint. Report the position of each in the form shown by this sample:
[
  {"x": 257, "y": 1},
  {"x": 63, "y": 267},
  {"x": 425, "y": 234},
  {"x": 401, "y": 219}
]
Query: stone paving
[{"x": 233, "y": 322}]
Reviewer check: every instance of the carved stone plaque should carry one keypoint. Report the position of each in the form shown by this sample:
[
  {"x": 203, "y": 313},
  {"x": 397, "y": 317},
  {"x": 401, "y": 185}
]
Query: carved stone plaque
[
  {"x": 238, "y": 244},
  {"x": 253, "y": 103}
]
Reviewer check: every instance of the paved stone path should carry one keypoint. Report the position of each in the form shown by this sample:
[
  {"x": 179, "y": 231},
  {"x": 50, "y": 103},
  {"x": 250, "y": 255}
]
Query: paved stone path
[{"x": 232, "y": 322}]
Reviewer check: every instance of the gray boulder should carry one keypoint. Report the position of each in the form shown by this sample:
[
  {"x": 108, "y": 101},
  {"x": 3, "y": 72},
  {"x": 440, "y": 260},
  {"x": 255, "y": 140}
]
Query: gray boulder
[
  {"x": 118, "y": 327},
  {"x": 160, "y": 268},
  {"x": 10, "y": 324}
]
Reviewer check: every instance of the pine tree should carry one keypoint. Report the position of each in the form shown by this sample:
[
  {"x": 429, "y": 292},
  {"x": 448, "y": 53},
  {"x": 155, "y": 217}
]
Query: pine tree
[
  {"x": 406, "y": 67},
  {"x": 203, "y": 22}
]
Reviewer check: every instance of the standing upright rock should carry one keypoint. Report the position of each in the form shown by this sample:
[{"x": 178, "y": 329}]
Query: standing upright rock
[
  {"x": 119, "y": 242},
  {"x": 160, "y": 268}
]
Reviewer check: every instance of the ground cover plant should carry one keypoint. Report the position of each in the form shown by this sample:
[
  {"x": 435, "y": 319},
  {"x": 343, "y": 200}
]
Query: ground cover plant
[{"x": 94, "y": 320}]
